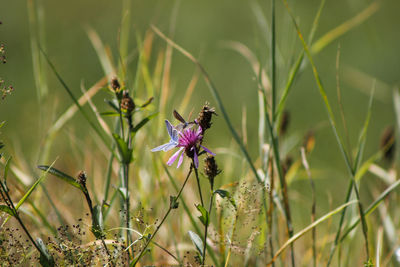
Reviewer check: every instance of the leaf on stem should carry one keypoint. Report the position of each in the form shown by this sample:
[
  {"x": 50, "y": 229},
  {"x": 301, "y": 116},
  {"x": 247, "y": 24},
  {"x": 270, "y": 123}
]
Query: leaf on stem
[
  {"x": 196, "y": 241},
  {"x": 205, "y": 217},
  {"x": 125, "y": 152}
]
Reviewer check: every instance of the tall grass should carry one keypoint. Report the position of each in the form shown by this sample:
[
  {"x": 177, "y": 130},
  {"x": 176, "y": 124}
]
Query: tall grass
[{"x": 231, "y": 208}]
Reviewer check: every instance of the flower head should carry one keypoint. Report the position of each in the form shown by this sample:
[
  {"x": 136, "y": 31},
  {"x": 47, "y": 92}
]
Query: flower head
[{"x": 188, "y": 140}]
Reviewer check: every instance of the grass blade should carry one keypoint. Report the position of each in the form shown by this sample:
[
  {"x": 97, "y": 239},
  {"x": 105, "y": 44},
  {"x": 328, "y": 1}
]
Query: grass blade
[
  {"x": 334, "y": 128},
  {"x": 371, "y": 208},
  {"x": 216, "y": 96},
  {"x": 28, "y": 193},
  {"x": 76, "y": 101},
  {"x": 63, "y": 176},
  {"x": 308, "y": 228},
  {"x": 345, "y": 27}
]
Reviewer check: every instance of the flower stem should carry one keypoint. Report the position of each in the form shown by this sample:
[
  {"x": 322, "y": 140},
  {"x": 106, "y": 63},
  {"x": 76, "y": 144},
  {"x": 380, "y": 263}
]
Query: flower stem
[
  {"x": 163, "y": 219},
  {"x": 8, "y": 200},
  {"x": 206, "y": 227},
  {"x": 198, "y": 183}
]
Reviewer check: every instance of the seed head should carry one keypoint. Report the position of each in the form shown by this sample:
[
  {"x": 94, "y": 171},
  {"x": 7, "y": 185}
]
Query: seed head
[
  {"x": 115, "y": 84},
  {"x": 127, "y": 103},
  {"x": 205, "y": 116},
  {"x": 82, "y": 178},
  {"x": 211, "y": 168}
]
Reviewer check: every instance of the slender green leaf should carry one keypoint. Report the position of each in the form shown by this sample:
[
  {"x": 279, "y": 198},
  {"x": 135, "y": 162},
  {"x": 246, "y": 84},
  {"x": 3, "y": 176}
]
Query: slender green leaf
[
  {"x": 309, "y": 227},
  {"x": 205, "y": 217},
  {"x": 61, "y": 175},
  {"x": 371, "y": 207},
  {"x": 226, "y": 194},
  {"x": 109, "y": 113},
  {"x": 27, "y": 194},
  {"x": 97, "y": 222},
  {"x": 75, "y": 100},
  {"x": 143, "y": 123},
  {"x": 46, "y": 259},
  {"x": 6, "y": 209},
  {"x": 125, "y": 152},
  {"x": 6, "y": 168},
  {"x": 196, "y": 241},
  {"x": 123, "y": 192},
  {"x": 363, "y": 135}
]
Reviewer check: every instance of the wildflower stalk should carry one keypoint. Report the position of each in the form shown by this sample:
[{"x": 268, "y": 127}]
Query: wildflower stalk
[
  {"x": 206, "y": 226},
  {"x": 82, "y": 182},
  {"x": 270, "y": 211},
  {"x": 171, "y": 207},
  {"x": 126, "y": 179},
  {"x": 10, "y": 204},
  {"x": 198, "y": 184}
]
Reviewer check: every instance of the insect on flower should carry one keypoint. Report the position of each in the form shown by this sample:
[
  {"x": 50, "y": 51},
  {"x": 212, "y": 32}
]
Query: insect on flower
[{"x": 188, "y": 140}]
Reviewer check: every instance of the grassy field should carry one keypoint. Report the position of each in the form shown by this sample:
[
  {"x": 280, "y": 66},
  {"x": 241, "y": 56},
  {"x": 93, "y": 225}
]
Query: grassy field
[{"x": 285, "y": 114}]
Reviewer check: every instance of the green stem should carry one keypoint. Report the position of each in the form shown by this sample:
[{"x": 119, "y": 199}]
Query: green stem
[
  {"x": 273, "y": 63},
  {"x": 198, "y": 183},
  {"x": 8, "y": 200},
  {"x": 163, "y": 220},
  {"x": 206, "y": 226}
]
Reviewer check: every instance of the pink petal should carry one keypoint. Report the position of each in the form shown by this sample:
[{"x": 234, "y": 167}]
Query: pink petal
[
  {"x": 196, "y": 160},
  {"x": 199, "y": 130},
  {"x": 208, "y": 151},
  {"x": 180, "y": 160},
  {"x": 173, "y": 157}
]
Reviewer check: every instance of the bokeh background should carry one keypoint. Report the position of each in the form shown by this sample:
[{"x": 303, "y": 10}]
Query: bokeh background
[{"x": 368, "y": 52}]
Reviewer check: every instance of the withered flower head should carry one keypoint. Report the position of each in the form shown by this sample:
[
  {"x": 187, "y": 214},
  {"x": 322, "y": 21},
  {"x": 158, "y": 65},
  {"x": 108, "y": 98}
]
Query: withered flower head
[
  {"x": 127, "y": 103},
  {"x": 205, "y": 115},
  {"x": 82, "y": 178},
  {"x": 211, "y": 168},
  {"x": 115, "y": 84},
  {"x": 388, "y": 143}
]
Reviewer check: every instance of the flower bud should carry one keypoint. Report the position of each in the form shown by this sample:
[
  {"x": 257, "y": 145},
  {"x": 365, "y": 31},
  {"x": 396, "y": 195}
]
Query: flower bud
[
  {"x": 211, "y": 168},
  {"x": 82, "y": 178},
  {"x": 127, "y": 103},
  {"x": 205, "y": 115},
  {"x": 115, "y": 84}
]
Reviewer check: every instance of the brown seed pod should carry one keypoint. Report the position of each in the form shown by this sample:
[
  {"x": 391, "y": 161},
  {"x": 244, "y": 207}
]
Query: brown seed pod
[{"x": 205, "y": 116}]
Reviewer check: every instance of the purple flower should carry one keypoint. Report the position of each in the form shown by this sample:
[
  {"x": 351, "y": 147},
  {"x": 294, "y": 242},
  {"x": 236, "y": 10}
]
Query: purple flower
[{"x": 189, "y": 142}]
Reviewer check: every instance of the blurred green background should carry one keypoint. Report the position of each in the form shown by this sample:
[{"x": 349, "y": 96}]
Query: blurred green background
[{"x": 201, "y": 27}]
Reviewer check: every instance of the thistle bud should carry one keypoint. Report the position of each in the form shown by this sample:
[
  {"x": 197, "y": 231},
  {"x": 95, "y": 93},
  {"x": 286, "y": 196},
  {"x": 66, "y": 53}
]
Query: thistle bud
[
  {"x": 211, "y": 169},
  {"x": 205, "y": 116},
  {"x": 388, "y": 143},
  {"x": 127, "y": 103},
  {"x": 115, "y": 84}
]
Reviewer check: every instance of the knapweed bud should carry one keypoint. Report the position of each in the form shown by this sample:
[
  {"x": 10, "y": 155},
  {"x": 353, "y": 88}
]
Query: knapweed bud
[
  {"x": 284, "y": 123},
  {"x": 388, "y": 143},
  {"x": 127, "y": 103},
  {"x": 211, "y": 168},
  {"x": 82, "y": 178},
  {"x": 205, "y": 116},
  {"x": 115, "y": 84}
]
